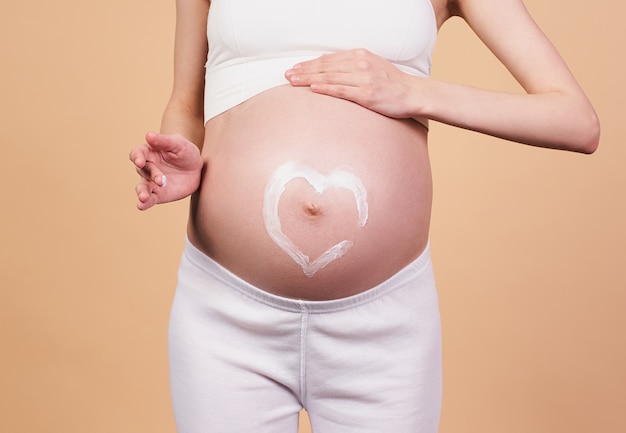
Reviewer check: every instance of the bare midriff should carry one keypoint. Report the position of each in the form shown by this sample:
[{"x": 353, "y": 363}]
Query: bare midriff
[{"x": 286, "y": 126}]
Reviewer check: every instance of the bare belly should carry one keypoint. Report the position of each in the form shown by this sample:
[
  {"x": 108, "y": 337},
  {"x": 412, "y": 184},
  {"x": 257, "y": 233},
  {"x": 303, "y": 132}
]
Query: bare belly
[{"x": 311, "y": 197}]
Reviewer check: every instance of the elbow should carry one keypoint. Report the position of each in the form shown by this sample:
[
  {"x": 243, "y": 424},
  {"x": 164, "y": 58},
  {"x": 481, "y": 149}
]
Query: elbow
[
  {"x": 582, "y": 133},
  {"x": 589, "y": 137},
  {"x": 579, "y": 127}
]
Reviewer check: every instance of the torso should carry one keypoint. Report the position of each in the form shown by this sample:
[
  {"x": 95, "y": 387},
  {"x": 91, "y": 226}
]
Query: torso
[
  {"x": 247, "y": 144},
  {"x": 373, "y": 199}
]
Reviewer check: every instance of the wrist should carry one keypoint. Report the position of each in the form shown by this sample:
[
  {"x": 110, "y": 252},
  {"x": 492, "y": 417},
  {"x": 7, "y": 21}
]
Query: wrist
[{"x": 417, "y": 99}]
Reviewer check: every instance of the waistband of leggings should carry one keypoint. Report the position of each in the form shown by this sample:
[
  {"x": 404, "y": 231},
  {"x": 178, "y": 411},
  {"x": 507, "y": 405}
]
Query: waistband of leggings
[{"x": 213, "y": 270}]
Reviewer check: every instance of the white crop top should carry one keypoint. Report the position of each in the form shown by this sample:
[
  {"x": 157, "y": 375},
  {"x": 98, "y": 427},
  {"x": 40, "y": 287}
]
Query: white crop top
[{"x": 253, "y": 42}]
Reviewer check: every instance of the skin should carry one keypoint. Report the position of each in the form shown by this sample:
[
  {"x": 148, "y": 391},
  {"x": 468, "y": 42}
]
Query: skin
[{"x": 554, "y": 112}]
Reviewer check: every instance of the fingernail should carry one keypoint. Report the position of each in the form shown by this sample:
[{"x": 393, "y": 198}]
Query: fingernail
[{"x": 163, "y": 181}]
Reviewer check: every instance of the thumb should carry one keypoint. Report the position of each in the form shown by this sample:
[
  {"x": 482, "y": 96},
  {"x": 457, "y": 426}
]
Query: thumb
[{"x": 163, "y": 142}]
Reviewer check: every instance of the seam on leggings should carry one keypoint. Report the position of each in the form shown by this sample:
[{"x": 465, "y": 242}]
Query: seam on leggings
[{"x": 304, "y": 323}]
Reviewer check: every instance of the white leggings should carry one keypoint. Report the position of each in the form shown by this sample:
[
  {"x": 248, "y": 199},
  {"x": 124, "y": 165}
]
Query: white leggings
[{"x": 244, "y": 360}]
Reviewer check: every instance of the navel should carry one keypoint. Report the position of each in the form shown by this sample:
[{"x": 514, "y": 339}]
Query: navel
[{"x": 312, "y": 208}]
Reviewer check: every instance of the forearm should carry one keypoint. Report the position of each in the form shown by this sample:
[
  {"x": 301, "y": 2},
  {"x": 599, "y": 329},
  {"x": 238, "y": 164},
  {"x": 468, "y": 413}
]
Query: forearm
[
  {"x": 556, "y": 119},
  {"x": 179, "y": 119}
]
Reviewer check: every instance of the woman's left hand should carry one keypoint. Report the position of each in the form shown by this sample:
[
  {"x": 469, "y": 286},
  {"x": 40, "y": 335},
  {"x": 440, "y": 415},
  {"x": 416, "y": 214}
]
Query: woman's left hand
[{"x": 361, "y": 77}]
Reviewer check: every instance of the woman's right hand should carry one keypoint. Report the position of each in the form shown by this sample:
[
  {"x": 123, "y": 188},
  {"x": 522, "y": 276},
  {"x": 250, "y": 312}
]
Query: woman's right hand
[{"x": 170, "y": 167}]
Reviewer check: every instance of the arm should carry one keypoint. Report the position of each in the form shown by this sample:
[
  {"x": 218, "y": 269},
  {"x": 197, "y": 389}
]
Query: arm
[
  {"x": 184, "y": 113},
  {"x": 169, "y": 163},
  {"x": 554, "y": 112}
]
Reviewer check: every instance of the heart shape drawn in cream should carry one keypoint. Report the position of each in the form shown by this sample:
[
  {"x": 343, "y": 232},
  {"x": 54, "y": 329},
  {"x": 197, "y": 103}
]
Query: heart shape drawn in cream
[{"x": 274, "y": 191}]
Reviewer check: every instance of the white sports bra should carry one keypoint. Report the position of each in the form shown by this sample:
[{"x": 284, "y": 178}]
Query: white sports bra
[{"x": 253, "y": 42}]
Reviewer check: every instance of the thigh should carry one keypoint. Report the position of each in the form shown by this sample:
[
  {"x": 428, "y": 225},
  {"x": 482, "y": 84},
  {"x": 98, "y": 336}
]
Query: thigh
[
  {"x": 229, "y": 370},
  {"x": 377, "y": 368}
]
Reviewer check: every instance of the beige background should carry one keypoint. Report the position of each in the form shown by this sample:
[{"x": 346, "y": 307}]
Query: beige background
[{"x": 529, "y": 245}]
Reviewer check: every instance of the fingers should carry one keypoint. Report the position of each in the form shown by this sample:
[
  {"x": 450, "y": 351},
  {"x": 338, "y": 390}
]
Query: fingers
[
  {"x": 165, "y": 142},
  {"x": 139, "y": 155},
  {"x": 147, "y": 160},
  {"x": 343, "y": 61},
  {"x": 148, "y": 193},
  {"x": 146, "y": 199},
  {"x": 151, "y": 172},
  {"x": 154, "y": 143},
  {"x": 297, "y": 78},
  {"x": 350, "y": 93},
  {"x": 152, "y": 179},
  {"x": 351, "y": 68}
]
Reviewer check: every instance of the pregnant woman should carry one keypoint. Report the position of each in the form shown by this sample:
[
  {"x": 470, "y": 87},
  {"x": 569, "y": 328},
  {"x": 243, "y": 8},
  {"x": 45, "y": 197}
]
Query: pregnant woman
[{"x": 300, "y": 130}]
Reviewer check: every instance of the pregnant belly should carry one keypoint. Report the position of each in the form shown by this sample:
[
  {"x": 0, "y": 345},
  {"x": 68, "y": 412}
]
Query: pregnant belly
[{"x": 312, "y": 197}]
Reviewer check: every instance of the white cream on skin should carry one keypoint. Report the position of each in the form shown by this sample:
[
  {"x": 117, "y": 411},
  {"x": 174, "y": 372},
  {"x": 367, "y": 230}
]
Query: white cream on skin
[{"x": 274, "y": 191}]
